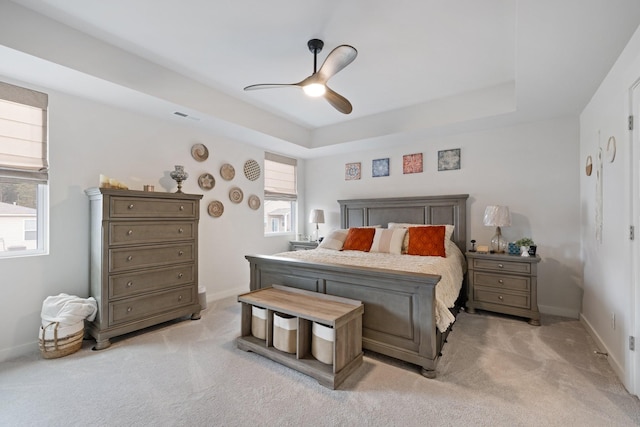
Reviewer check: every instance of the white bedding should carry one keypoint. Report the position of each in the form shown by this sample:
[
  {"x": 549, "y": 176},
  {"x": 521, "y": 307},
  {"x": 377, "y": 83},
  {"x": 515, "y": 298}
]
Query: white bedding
[{"x": 451, "y": 269}]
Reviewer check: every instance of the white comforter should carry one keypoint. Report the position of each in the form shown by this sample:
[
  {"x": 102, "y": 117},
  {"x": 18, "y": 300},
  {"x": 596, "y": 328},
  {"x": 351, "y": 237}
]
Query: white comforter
[{"x": 451, "y": 268}]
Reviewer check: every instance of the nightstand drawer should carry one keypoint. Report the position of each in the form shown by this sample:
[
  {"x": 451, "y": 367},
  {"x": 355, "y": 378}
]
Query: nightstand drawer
[
  {"x": 501, "y": 298},
  {"x": 503, "y": 281},
  {"x": 500, "y": 265}
]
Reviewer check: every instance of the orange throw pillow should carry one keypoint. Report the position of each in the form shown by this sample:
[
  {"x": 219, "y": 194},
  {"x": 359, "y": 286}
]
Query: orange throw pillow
[
  {"x": 359, "y": 239},
  {"x": 426, "y": 241}
]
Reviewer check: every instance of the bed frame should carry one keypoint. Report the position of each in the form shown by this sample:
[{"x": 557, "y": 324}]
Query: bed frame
[{"x": 399, "y": 308}]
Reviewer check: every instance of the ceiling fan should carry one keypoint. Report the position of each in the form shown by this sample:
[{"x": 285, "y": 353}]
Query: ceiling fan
[{"x": 316, "y": 83}]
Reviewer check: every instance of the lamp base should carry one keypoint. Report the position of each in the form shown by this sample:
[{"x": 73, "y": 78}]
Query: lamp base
[{"x": 498, "y": 243}]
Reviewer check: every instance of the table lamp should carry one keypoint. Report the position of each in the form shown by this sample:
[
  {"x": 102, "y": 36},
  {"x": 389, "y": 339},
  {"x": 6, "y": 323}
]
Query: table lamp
[
  {"x": 316, "y": 216},
  {"x": 497, "y": 216}
]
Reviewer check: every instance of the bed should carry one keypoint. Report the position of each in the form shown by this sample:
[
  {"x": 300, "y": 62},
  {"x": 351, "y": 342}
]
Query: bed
[{"x": 401, "y": 307}]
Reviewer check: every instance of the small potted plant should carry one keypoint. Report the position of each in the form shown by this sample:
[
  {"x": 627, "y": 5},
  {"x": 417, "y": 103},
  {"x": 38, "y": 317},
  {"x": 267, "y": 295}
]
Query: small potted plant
[{"x": 528, "y": 244}]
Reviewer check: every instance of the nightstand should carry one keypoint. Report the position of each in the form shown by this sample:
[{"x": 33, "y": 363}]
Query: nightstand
[
  {"x": 503, "y": 284},
  {"x": 303, "y": 245}
]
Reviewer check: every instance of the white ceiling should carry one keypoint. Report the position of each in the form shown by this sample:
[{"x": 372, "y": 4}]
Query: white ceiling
[{"x": 423, "y": 65}]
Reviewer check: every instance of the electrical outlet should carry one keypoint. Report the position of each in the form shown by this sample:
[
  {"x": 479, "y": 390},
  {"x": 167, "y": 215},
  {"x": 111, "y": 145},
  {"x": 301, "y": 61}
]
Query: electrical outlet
[{"x": 613, "y": 321}]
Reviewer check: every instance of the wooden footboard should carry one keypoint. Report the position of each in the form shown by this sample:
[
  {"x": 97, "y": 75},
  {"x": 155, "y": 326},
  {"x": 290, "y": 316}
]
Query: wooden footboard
[{"x": 399, "y": 307}]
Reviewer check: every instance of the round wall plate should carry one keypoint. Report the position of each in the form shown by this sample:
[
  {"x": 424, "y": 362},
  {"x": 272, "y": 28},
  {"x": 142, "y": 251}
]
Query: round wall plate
[
  {"x": 227, "y": 172},
  {"x": 236, "y": 195},
  {"x": 206, "y": 181},
  {"x": 199, "y": 152},
  {"x": 215, "y": 208}
]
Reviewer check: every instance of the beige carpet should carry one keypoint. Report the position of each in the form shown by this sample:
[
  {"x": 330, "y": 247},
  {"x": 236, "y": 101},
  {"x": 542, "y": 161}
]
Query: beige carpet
[{"x": 496, "y": 371}]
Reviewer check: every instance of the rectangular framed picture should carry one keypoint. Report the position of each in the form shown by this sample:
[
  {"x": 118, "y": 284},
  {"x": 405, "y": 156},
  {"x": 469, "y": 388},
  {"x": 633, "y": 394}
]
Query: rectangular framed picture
[
  {"x": 449, "y": 159},
  {"x": 412, "y": 163},
  {"x": 352, "y": 171},
  {"x": 380, "y": 167}
]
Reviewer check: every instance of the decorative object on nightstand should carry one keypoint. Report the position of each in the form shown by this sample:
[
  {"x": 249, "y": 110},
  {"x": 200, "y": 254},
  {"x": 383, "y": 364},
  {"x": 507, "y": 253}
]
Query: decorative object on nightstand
[
  {"x": 473, "y": 246},
  {"x": 316, "y": 216},
  {"x": 497, "y": 216},
  {"x": 503, "y": 284},
  {"x": 179, "y": 175},
  {"x": 527, "y": 247}
]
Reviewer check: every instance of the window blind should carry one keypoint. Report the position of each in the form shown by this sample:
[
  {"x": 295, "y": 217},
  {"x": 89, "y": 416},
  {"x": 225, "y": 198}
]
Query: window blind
[
  {"x": 23, "y": 134},
  {"x": 279, "y": 177}
]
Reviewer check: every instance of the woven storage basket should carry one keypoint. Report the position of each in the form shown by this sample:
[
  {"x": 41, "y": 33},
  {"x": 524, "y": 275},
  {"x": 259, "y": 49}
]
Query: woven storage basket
[{"x": 52, "y": 348}]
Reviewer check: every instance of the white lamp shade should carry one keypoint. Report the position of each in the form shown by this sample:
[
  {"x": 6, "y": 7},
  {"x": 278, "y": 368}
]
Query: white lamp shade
[
  {"x": 316, "y": 216},
  {"x": 497, "y": 216}
]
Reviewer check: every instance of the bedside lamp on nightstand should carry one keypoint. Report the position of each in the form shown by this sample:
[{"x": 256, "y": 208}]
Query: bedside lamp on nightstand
[
  {"x": 497, "y": 216},
  {"x": 316, "y": 216}
]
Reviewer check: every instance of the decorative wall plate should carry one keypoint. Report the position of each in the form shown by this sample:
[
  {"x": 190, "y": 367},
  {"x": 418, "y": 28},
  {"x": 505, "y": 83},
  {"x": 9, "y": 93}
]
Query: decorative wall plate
[
  {"x": 254, "y": 202},
  {"x": 227, "y": 172},
  {"x": 215, "y": 208},
  {"x": 199, "y": 152},
  {"x": 206, "y": 181},
  {"x": 235, "y": 195},
  {"x": 251, "y": 170}
]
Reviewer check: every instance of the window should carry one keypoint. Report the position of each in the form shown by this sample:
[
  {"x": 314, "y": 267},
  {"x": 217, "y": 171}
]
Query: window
[
  {"x": 24, "y": 174},
  {"x": 280, "y": 194}
]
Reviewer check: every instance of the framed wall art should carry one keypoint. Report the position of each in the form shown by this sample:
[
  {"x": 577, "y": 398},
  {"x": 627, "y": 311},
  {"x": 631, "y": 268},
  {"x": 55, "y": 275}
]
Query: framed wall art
[
  {"x": 449, "y": 159},
  {"x": 380, "y": 167},
  {"x": 352, "y": 171},
  {"x": 412, "y": 163}
]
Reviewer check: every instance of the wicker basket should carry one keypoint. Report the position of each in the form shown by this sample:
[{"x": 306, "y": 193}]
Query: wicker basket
[{"x": 56, "y": 346}]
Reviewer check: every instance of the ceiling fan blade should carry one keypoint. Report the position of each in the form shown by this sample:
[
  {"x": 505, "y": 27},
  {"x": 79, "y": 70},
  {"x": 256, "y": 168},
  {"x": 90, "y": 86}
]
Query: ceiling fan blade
[
  {"x": 338, "y": 101},
  {"x": 337, "y": 59},
  {"x": 270, "y": 86}
]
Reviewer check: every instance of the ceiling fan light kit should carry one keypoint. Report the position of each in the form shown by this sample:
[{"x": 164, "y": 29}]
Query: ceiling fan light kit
[{"x": 316, "y": 84}]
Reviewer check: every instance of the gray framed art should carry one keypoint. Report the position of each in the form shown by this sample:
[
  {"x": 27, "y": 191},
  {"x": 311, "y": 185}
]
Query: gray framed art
[{"x": 449, "y": 159}]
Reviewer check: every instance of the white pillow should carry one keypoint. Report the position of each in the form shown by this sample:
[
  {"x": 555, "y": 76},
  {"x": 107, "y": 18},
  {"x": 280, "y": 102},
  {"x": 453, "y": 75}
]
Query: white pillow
[
  {"x": 448, "y": 231},
  {"x": 334, "y": 240},
  {"x": 388, "y": 240}
]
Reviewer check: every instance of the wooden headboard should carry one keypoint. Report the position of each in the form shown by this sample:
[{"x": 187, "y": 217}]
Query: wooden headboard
[{"x": 448, "y": 209}]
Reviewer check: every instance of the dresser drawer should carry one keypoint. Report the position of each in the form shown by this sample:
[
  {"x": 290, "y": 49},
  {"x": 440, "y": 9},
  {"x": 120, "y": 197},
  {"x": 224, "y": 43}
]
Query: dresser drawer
[
  {"x": 498, "y": 265},
  {"x": 131, "y": 207},
  {"x": 503, "y": 281},
  {"x": 148, "y": 305},
  {"x": 128, "y": 284},
  {"x": 121, "y": 233},
  {"x": 129, "y": 258},
  {"x": 502, "y": 298}
]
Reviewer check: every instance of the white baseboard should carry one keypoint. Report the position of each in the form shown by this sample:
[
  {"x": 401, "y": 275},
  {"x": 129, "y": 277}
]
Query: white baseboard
[
  {"x": 613, "y": 362},
  {"x": 227, "y": 293},
  {"x": 20, "y": 350}
]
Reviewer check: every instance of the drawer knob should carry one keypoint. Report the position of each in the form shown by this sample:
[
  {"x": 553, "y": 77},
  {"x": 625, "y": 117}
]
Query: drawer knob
[
  {"x": 501, "y": 281},
  {"x": 179, "y": 297},
  {"x": 500, "y": 266},
  {"x": 180, "y": 253},
  {"x": 130, "y": 232},
  {"x": 180, "y": 275},
  {"x": 181, "y": 207},
  {"x": 130, "y": 206},
  {"x": 180, "y": 230},
  {"x": 129, "y": 284},
  {"x": 500, "y": 297},
  {"x": 129, "y": 258},
  {"x": 129, "y": 309}
]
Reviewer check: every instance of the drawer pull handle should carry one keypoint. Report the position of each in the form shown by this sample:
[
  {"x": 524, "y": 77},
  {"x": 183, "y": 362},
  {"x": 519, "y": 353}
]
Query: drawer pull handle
[
  {"x": 129, "y": 284},
  {"x": 180, "y": 275},
  {"x": 130, "y": 232},
  {"x": 130, "y": 206},
  {"x": 180, "y": 230},
  {"x": 500, "y": 266},
  {"x": 181, "y": 207},
  {"x": 500, "y": 297},
  {"x": 129, "y": 258},
  {"x": 129, "y": 309},
  {"x": 180, "y": 253}
]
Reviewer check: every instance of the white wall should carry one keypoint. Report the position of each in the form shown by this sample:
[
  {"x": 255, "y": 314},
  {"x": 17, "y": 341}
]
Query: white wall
[
  {"x": 88, "y": 139},
  {"x": 532, "y": 168},
  {"x": 608, "y": 279}
]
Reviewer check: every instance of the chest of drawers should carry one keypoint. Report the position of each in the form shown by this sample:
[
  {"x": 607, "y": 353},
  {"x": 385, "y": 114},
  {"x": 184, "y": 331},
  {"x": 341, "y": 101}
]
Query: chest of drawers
[
  {"x": 144, "y": 260},
  {"x": 503, "y": 284}
]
